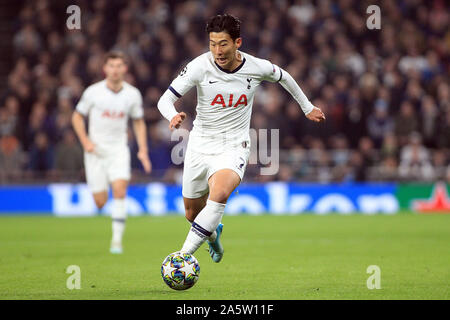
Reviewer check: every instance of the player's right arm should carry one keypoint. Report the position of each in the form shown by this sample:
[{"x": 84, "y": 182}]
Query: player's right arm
[
  {"x": 167, "y": 108},
  {"x": 80, "y": 130},
  {"x": 81, "y": 110},
  {"x": 187, "y": 79}
]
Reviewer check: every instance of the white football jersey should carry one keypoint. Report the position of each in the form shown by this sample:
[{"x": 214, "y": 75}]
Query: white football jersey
[
  {"x": 109, "y": 112},
  {"x": 224, "y": 99}
]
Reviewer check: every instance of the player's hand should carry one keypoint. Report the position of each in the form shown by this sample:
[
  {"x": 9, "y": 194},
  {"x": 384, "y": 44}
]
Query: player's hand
[
  {"x": 176, "y": 121},
  {"x": 145, "y": 160},
  {"x": 88, "y": 146},
  {"x": 316, "y": 115}
]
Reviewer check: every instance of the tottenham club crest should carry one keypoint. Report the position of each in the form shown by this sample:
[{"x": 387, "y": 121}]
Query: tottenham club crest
[{"x": 183, "y": 72}]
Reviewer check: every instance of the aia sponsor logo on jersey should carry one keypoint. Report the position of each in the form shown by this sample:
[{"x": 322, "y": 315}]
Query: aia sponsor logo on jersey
[
  {"x": 230, "y": 102},
  {"x": 113, "y": 114}
]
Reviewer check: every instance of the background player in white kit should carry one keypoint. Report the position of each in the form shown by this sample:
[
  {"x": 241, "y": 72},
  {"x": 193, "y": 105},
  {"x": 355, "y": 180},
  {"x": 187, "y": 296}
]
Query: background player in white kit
[
  {"x": 219, "y": 143},
  {"x": 109, "y": 104}
]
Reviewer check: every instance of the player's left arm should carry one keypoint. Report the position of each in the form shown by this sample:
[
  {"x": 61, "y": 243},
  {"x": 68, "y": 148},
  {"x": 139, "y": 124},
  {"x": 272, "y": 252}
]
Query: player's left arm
[
  {"x": 140, "y": 131},
  {"x": 274, "y": 73},
  {"x": 311, "y": 112}
]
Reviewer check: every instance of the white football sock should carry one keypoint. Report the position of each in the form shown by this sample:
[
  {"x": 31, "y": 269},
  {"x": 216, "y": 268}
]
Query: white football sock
[
  {"x": 213, "y": 236},
  {"x": 118, "y": 215},
  {"x": 204, "y": 226}
]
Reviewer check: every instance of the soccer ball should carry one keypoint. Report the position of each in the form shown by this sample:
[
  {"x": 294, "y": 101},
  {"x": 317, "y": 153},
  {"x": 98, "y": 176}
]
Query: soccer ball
[{"x": 180, "y": 270}]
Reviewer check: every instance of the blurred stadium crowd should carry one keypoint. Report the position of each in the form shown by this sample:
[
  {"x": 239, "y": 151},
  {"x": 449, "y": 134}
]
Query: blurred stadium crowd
[{"x": 386, "y": 93}]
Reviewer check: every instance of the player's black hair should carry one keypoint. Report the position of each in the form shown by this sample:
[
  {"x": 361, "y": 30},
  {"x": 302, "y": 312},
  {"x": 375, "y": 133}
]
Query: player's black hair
[
  {"x": 115, "y": 54},
  {"x": 227, "y": 23}
]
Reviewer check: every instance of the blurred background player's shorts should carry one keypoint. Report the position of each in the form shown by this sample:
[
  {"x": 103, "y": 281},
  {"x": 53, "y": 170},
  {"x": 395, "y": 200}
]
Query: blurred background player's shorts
[{"x": 106, "y": 168}]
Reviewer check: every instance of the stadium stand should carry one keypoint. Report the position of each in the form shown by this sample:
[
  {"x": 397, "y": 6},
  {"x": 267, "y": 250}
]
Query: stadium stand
[{"x": 386, "y": 93}]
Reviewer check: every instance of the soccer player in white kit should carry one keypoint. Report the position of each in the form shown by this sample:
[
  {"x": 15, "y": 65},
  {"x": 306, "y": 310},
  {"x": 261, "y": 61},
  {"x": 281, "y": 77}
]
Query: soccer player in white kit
[
  {"x": 109, "y": 104},
  {"x": 219, "y": 143}
]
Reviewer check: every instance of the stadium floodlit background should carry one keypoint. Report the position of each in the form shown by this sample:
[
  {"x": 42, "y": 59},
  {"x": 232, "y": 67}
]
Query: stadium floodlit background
[{"x": 385, "y": 147}]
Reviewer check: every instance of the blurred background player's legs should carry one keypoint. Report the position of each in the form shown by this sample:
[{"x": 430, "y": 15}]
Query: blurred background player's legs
[
  {"x": 97, "y": 179},
  {"x": 100, "y": 198},
  {"x": 118, "y": 214},
  {"x": 221, "y": 185}
]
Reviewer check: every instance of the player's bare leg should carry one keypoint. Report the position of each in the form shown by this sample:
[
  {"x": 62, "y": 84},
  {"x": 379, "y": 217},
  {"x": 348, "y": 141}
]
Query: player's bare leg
[
  {"x": 193, "y": 207},
  {"x": 207, "y": 222},
  {"x": 222, "y": 184},
  {"x": 118, "y": 214},
  {"x": 100, "y": 198}
]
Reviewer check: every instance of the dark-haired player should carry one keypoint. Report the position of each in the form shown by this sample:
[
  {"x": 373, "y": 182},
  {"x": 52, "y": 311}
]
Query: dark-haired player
[
  {"x": 109, "y": 104},
  {"x": 219, "y": 144}
]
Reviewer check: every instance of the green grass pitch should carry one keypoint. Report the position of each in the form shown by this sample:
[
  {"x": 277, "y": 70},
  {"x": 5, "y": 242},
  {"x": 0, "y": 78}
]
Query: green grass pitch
[{"x": 266, "y": 257}]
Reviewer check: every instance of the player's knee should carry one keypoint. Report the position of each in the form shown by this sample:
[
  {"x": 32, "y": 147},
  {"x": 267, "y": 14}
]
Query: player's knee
[
  {"x": 119, "y": 193},
  {"x": 220, "y": 196}
]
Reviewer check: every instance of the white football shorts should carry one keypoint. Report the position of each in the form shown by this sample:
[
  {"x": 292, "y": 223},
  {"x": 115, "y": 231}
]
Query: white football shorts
[
  {"x": 103, "y": 169},
  {"x": 199, "y": 167}
]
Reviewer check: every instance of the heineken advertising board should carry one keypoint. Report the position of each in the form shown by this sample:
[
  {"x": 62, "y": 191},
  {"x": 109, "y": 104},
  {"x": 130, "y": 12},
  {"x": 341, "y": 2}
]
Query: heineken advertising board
[{"x": 254, "y": 199}]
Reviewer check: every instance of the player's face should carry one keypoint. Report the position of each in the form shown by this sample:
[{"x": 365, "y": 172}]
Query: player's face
[
  {"x": 224, "y": 49},
  {"x": 115, "y": 69}
]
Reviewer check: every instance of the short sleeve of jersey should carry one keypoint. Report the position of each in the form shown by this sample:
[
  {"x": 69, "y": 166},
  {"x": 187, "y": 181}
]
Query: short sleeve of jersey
[
  {"x": 85, "y": 103},
  {"x": 137, "y": 111},
  {"x": 187, "y": 79},
  {"x": 270, "y": 71}
]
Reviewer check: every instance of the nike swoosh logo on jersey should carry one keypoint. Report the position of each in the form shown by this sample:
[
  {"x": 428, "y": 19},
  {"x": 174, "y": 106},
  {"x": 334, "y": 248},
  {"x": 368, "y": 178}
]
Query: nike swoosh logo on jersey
[{"x": 211, "y": 82}]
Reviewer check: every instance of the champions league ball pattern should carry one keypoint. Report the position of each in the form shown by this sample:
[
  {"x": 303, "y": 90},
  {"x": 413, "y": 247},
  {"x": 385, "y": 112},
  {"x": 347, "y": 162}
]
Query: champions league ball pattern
[{"x": 180, "y": 271}]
